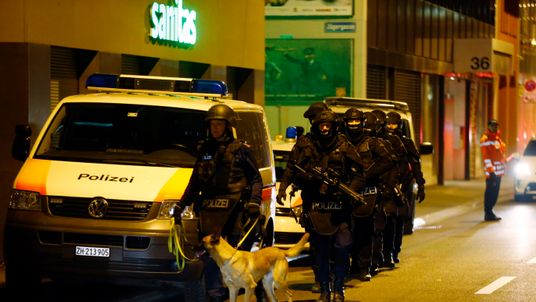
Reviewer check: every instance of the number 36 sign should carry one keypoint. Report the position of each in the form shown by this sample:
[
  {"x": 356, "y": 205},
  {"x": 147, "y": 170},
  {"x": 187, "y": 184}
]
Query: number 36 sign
[{"x": 473, "y": 55}]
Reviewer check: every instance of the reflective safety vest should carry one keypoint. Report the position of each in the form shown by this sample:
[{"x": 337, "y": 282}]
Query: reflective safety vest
[{"x": 493, "y": 150}]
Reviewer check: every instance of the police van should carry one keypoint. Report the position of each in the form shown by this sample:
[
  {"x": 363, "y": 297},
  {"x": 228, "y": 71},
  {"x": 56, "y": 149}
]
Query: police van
[{"x": 94, "y": 195}]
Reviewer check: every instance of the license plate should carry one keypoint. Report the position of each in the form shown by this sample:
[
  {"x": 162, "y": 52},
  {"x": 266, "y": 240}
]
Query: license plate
[{"x": 89, "y": 251}]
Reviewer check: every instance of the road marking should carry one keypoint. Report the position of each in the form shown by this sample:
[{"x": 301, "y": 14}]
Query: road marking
[
  {"x": 532, "y": 261},
  {"x": 495, "y": 285}
]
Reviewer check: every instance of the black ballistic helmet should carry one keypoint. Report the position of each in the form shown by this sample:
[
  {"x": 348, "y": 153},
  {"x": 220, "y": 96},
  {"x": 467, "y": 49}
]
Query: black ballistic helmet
[
  {"x": 326, "y": 116},
  {"x": 394, "y": 118},
  {"x": 371, "y": 121},
  {"x": 380, "y": 115},
  {"x": 221, "y": 112},
  {"x": 354, "y": 114},
  {"x": 313, "y": 110}
]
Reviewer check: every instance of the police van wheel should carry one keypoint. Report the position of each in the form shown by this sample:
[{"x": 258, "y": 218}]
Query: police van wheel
[
  {"x": 519, "y": 197},
  {"x": 195, "y": 291}
]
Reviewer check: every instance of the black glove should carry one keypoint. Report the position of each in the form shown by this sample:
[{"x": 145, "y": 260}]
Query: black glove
[
  {"x": 281, "y": 196},
  {"x": 252, "y": 209},
  {"x": 420, "y": 194}
]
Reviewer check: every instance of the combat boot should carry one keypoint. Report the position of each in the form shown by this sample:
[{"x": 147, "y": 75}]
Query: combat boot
[
  {"x": 325, "y": 292},
  {"x": 338, "y": 290}
]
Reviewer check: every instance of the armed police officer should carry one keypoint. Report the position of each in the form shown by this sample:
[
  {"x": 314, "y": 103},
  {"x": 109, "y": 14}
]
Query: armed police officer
[
  {"x": 412, "y": 174},
  {"x": 376, "y": 161},
  {"x": 324, "y": 154},
  {"x": 225, "y": 188},
  {"x": 389, "y": 197}
]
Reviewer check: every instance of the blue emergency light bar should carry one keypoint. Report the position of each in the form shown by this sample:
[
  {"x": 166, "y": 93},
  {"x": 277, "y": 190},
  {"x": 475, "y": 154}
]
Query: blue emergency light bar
[{"x": 154, "y": 83}]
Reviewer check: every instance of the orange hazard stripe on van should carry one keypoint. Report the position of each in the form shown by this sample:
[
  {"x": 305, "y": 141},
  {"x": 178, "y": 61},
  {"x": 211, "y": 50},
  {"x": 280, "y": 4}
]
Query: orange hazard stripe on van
[
  {"x": 267, "y": 194},
  {"x": 175, "y": 186},
  {"x": 33, "y": 176}
]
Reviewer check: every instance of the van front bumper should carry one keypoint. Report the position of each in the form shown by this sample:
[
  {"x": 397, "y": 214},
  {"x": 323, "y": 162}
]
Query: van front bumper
[{"x": 133, "y": 257}]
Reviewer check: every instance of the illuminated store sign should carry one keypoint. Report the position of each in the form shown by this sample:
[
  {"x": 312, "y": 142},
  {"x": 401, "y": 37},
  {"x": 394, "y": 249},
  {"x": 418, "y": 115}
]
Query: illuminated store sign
[{"x": 173, "y": 24}]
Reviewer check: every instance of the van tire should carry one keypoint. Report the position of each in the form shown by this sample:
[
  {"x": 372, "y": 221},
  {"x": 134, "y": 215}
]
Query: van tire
[
  {"x": 519, "y": 197},
  {"x": 195, "y": 291}
]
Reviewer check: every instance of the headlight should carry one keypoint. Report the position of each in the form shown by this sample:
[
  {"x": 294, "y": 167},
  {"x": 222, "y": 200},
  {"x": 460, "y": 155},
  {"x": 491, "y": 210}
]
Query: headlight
[
  {"x": 167, "y": 208},
  {"x": 522, "y": 169},
  {"x": 25, "y": 200}
]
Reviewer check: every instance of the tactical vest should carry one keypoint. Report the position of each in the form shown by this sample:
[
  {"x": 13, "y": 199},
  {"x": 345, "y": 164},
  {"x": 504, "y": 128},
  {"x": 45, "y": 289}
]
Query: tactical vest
[{"x": 224, "y": 185}]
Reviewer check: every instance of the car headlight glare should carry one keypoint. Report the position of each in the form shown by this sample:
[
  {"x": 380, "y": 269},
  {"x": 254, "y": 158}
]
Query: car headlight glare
[
  {"x": 522, "y": 169},
  {"x": 25, "y": 200}
]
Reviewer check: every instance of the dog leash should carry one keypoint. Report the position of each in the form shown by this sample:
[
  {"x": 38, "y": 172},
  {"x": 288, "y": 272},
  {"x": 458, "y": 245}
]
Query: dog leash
[
  {"x": 249, "y": 231},
  {"x": 175, "y": 245}
]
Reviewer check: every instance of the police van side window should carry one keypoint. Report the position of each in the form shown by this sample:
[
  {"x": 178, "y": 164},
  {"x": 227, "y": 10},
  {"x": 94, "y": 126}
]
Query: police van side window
[{"x": 252, "y": 130}]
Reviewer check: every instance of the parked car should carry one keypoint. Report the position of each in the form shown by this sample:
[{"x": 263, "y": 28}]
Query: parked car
[
  {"x": 288, "y": 230},
  {"x": 525, "y": 174}
]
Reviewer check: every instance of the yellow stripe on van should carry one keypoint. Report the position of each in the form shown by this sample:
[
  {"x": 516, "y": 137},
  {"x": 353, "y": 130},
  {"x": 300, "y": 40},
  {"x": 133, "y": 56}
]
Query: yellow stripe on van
[
  {"x": 33, "y": 176},
  {"x": 175, "y": 186}
]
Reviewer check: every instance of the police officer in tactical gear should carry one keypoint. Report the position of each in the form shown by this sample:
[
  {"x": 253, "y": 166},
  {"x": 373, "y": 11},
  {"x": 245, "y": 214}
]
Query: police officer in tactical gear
[
  {"x": 388, "y": 197},
  {"x": 376, "y": 161},
  {"x": 411, "y": 173},
  {"x": 226, "y": 172},
  {"x": 325, "y": 210},
  {"x": 311, "y": 113}
]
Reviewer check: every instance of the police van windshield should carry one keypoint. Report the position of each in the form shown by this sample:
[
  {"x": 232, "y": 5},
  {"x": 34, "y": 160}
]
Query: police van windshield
[{"x": 124, "y": 134}]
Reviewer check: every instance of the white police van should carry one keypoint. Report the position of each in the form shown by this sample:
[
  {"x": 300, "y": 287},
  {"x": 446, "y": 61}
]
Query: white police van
[{"x": 93, "y": 197}]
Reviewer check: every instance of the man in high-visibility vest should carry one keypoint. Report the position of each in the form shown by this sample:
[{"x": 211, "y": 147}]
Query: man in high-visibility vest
[{"x": 493, "y": 155}]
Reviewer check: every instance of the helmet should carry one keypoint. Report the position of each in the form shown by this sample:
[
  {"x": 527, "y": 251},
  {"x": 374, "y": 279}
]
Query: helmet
[
  {"x": 221, "y": 112},
  {"x": 313, "y": 110},
  {"x": 354, "y": 114},
  {"x": 371, "y": 121},
  {"x": 393, "y": 118},
  {"x": 380, "y": 115},
  {"x": 326, "y": 116},
  {"x": 354, "y": 130}
]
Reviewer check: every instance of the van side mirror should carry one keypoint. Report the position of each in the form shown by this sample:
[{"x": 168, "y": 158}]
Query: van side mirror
[
  {"x": 21, "y": 143},
  {"x": 426, "y": 148}
]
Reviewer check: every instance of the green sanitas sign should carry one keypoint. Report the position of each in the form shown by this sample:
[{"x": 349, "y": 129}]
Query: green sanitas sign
[{"x": 172, "y": 24}]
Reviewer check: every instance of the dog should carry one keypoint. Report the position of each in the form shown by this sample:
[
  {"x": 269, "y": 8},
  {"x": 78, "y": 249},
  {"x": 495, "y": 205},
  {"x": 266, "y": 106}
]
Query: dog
[{"x": 243, "y": 269}]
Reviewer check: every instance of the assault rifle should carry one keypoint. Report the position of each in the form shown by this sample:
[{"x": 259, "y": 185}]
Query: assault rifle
[{"x": 331, "y": 178}]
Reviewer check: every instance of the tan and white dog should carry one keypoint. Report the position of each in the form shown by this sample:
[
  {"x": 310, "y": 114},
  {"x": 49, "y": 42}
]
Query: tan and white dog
[{"x": 243, "y": 269}]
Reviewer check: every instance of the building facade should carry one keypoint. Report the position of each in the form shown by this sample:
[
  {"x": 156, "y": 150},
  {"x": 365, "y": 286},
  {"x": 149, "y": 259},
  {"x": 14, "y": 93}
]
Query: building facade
[{"x": 418, "y": 52}]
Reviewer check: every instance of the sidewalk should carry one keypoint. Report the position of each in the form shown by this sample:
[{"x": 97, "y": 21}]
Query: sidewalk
[
  {"x": 442, "y": 202},
  {"x": 456, "y": 197}
]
